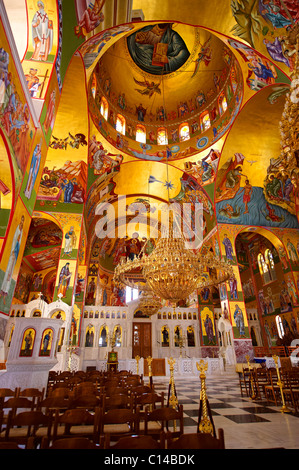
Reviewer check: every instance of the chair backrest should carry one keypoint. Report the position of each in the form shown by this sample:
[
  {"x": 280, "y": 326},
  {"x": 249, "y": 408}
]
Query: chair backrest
[
  {"x": 62, "y": 392},
  {"x": 55, "y": 403},
  {"x": 133, "y": 442},
  {"x": 153, "y": 399},
  {"x": 16, "y": 403},
  {"x": 73, "y": 443},
  {"x": 197, "y": 441},
  {"x": 85, "y": 401},
  {"x": 31, "y": 420},
  {"x": 119, "y": 416},
  {"x": 117, "y": 401},
  {"x": 8, "y": 392},
  {"x": 34, "y": 393},
  {"x": 140, "y": 389},
  {"x": 75, "y": 417},
  {"x": 165, "y": 416}
]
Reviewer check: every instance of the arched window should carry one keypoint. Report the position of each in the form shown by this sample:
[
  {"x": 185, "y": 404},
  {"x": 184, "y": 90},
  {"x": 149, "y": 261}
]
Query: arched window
[
  {"x": 140, "y": 134},
  {"x": 266, "y": 266},
  {"x": 280, "y": 327},
  {"x": 117, "y": 333},
  {"x": 184, "y": 132},
  {"x": 94, "y": 85},
  {"x": 104, "y": 108},
  {"x": 120, "y": 124},
  {"x": 162, "y": 138},
  {"x": 177, "y": 336},
  {"x": 205, "y": 122},
  {"x": 264, "y": 269},
  {"x": 222, "y": 103},
  {"x": 103, "y": 339},
  {"x": 89, "y": 336},
  {"x": 270, "y": 262}
]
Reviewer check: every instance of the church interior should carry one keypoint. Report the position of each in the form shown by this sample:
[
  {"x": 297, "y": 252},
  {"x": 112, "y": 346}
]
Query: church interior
[{"x": 148, "y": 215}]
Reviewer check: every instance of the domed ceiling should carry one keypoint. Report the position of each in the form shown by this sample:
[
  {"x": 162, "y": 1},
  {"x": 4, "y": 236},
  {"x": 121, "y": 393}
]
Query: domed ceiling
[{"x": 164, "y": 76}]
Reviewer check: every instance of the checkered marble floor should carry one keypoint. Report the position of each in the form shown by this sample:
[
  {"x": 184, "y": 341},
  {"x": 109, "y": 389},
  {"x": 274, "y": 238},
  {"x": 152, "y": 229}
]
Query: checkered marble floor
[{"x": 247, "y": 424}]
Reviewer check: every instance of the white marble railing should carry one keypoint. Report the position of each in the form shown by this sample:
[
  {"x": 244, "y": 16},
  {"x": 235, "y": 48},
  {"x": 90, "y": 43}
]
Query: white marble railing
[{"x": 182, "y": 367}]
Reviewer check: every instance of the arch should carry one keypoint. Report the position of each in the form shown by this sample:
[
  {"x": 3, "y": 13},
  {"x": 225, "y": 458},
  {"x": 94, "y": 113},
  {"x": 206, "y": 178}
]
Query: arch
[
  {"x": 177, "y": 336},
  {"x": 165, "y": 336},
  {"x": 46, "y": 342},
  {"x": 190, "y": 336},
  {"x": 104, "y": 108},
  {"x": 205, "y": 121},
  {"x": 222, "y": 103},
  {"x": 103, "y": 336},
  {"x": 89, "y": 336},
  {"x": 117, "y": 335},
  {"x": 162, "y": 137},
  {"x": 120, "y": 124},
  {"x": 140, "y": 134},
  {"x": 184, "y": 132},
  {"x": 27, "y": 343}
]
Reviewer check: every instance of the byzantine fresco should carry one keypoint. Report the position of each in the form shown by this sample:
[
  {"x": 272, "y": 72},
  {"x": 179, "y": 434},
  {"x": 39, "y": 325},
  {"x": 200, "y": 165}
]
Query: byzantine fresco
[
  {"x": 250, "y": 188},
  {"x": 39, "y": 58}
]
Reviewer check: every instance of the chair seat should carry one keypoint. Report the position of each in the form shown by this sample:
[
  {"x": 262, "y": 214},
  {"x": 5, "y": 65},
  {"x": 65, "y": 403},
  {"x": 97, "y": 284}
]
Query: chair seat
[
  {"x": 77, "y": 430},
  {"x": 152, "y": 426},
  {"x": 117, "y": 428}
]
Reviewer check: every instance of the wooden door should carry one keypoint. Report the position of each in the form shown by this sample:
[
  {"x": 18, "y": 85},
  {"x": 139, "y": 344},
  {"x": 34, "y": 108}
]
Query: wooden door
[{"x": 142, "y": 339}]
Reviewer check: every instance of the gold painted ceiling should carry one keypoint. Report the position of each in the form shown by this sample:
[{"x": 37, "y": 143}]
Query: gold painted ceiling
[{"x": 230, "y": 41}]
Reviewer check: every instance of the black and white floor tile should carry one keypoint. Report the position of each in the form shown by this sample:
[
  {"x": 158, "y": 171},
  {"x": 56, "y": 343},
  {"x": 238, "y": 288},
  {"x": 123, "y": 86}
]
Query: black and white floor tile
[{"x": 247, "y": 423}]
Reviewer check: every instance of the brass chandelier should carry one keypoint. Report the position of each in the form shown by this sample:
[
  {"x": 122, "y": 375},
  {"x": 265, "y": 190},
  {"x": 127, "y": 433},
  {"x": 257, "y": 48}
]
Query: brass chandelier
[{"x": 172, "y": 271}]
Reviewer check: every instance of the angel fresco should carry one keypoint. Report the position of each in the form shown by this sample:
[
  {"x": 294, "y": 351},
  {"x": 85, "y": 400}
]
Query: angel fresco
[
  {"x": 204, "y": 55},
  {"x": 149, "y": 88}
]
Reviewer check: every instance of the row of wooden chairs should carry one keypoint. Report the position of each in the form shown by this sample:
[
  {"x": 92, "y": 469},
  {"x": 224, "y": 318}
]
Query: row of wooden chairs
[
  {"x": 109, "y": 430},
  {"x": 95, "y": 425},
  {"x": 262, "y": 383}
]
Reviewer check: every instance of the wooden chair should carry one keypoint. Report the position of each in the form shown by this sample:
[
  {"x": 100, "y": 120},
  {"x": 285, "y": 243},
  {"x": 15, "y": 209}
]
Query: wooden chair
[
  {"x": 69, "y": 443},
  {"x": 197, "y": 441},
  {"x": 136, "y": 442},
  {"x": 109, "y": 391},
  {"x": 140, "y": 389},
  {"x": 149, "y": 401},
  {"x": 17, "y": 403},
  {"x": 262, "y": 379},
  {"x": 62, "y": 392},
  {"x": 76, "y": 422},
  {"x": 272, "y": 390},
  {"x": 14, "y": 445},
  {"x": 290, "y": 381},
  {"x": 166, "y": 418},
  {"x": 88, "y": 402},
  {"x": 21, "y": 426},
  {"x": 116, "y": 401},
  {"x": 118, "y": 423},
  {"x": 244, "y": 382},
  {"x": 34, "y": 393},
  {"x": 6, "y": 393},
  {"x": 52, "y": 404}
]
